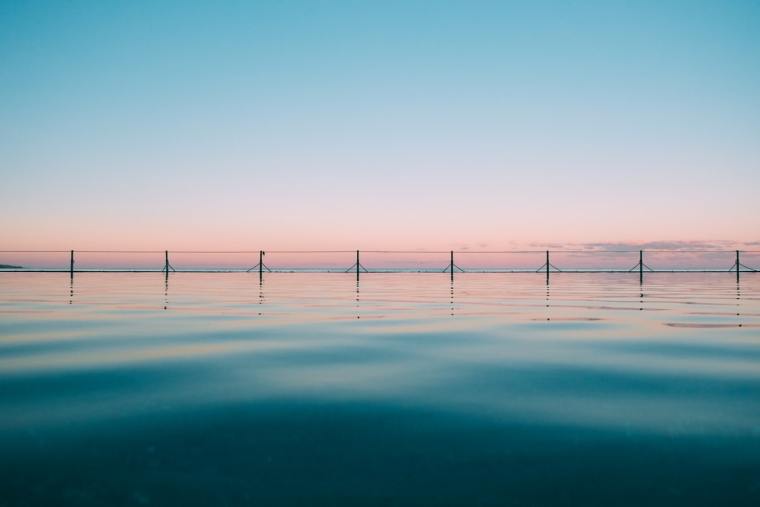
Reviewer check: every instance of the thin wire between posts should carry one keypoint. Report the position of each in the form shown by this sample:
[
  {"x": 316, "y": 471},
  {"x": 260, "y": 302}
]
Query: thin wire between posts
[{"x": 383, "y": 261}]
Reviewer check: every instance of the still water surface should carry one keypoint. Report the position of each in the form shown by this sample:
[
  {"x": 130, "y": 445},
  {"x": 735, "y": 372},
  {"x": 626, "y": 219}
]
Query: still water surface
[{"x": 406, "y": 389}]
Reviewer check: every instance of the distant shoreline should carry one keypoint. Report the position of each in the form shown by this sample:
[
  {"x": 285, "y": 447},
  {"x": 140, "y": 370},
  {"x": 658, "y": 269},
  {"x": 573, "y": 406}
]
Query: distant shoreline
[{"x": 9, "y": 266}]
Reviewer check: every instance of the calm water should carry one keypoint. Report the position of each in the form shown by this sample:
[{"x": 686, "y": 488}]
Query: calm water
[{"x": 211, "y": 389}]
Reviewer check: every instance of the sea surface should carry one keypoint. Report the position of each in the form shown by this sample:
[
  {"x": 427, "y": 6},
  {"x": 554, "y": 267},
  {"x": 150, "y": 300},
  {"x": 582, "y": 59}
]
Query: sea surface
[{"x": 402, "y": 389}]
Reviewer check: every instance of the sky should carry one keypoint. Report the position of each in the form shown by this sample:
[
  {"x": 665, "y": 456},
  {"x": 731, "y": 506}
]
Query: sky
[{"x": 378, "y": 125}]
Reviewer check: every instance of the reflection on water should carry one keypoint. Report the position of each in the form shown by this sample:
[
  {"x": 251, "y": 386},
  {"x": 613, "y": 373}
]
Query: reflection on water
[{"x": 496, "y": 389}]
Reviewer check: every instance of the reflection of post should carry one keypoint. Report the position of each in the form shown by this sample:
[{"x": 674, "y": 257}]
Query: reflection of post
[
  {"x": 358, "y": 315},
  {"x": 738, "y": 303},
  {"x": 261, "y": 294},
  {"x": 71, "y": 264},
  {"x": 451, "y": 300}
]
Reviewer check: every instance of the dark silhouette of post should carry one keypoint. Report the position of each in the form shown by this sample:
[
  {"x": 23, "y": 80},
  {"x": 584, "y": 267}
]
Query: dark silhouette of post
[
  {"x": 547, "y": 267},
  {"x": 261, "y": 266},
  {"x": 452, "y": 267},
  {"x": 71, "y": 264},
  {"x": 641, "y": 267},
  {"x": 167, "y": 266},
  {"x": 738, "y": 266},
  {"x": 358, "y": 267}
]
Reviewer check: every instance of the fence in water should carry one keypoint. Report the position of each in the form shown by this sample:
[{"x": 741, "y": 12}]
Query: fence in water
[{"x": 383, "y": 261}]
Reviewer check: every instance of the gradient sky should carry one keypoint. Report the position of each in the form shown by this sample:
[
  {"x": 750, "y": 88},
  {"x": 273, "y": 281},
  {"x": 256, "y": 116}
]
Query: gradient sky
[{"x": 377, "y": 124}]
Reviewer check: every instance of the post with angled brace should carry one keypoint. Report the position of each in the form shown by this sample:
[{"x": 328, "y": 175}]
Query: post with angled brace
[
  {"x": 71, "y": 264},
  {"x": 261, "y": 266},
  {"x": 641, "y": 267},
  {"x": 167, "y": 266},
  {"x": 358, "y": 266},
  {"x": 452, "y": 267},
  {"x": 547, "y": 267},
  {"x": 738, "y": 266}
]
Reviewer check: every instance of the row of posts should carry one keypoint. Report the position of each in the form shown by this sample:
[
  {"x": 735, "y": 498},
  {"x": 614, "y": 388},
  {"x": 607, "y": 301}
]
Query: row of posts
[{"x": 452, "y": 267}]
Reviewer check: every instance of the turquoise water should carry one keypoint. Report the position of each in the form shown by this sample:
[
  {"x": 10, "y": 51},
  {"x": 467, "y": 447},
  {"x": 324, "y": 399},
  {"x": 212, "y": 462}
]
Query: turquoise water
[{"x": 308, "y": 389}]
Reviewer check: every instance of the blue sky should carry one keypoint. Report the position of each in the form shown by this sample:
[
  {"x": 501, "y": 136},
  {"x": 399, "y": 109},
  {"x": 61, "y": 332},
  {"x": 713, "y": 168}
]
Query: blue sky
[{"x": 398, "y": 124}]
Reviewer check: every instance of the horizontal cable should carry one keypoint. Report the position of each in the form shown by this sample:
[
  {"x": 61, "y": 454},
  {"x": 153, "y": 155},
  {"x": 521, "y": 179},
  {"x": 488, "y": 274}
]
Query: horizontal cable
[
  {"x": 374, "y": 270},
  {"x": 34, "y": 251},
  {"x": 122, "y": 251},
  {"x": 560, "y": 250}
]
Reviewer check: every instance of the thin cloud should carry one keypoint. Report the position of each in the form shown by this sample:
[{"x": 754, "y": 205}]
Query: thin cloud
[{"x": 656, "y": 245}]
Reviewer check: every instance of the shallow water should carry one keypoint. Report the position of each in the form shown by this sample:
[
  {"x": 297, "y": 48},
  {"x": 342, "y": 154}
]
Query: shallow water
[{"x": 308, "y": 389}]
